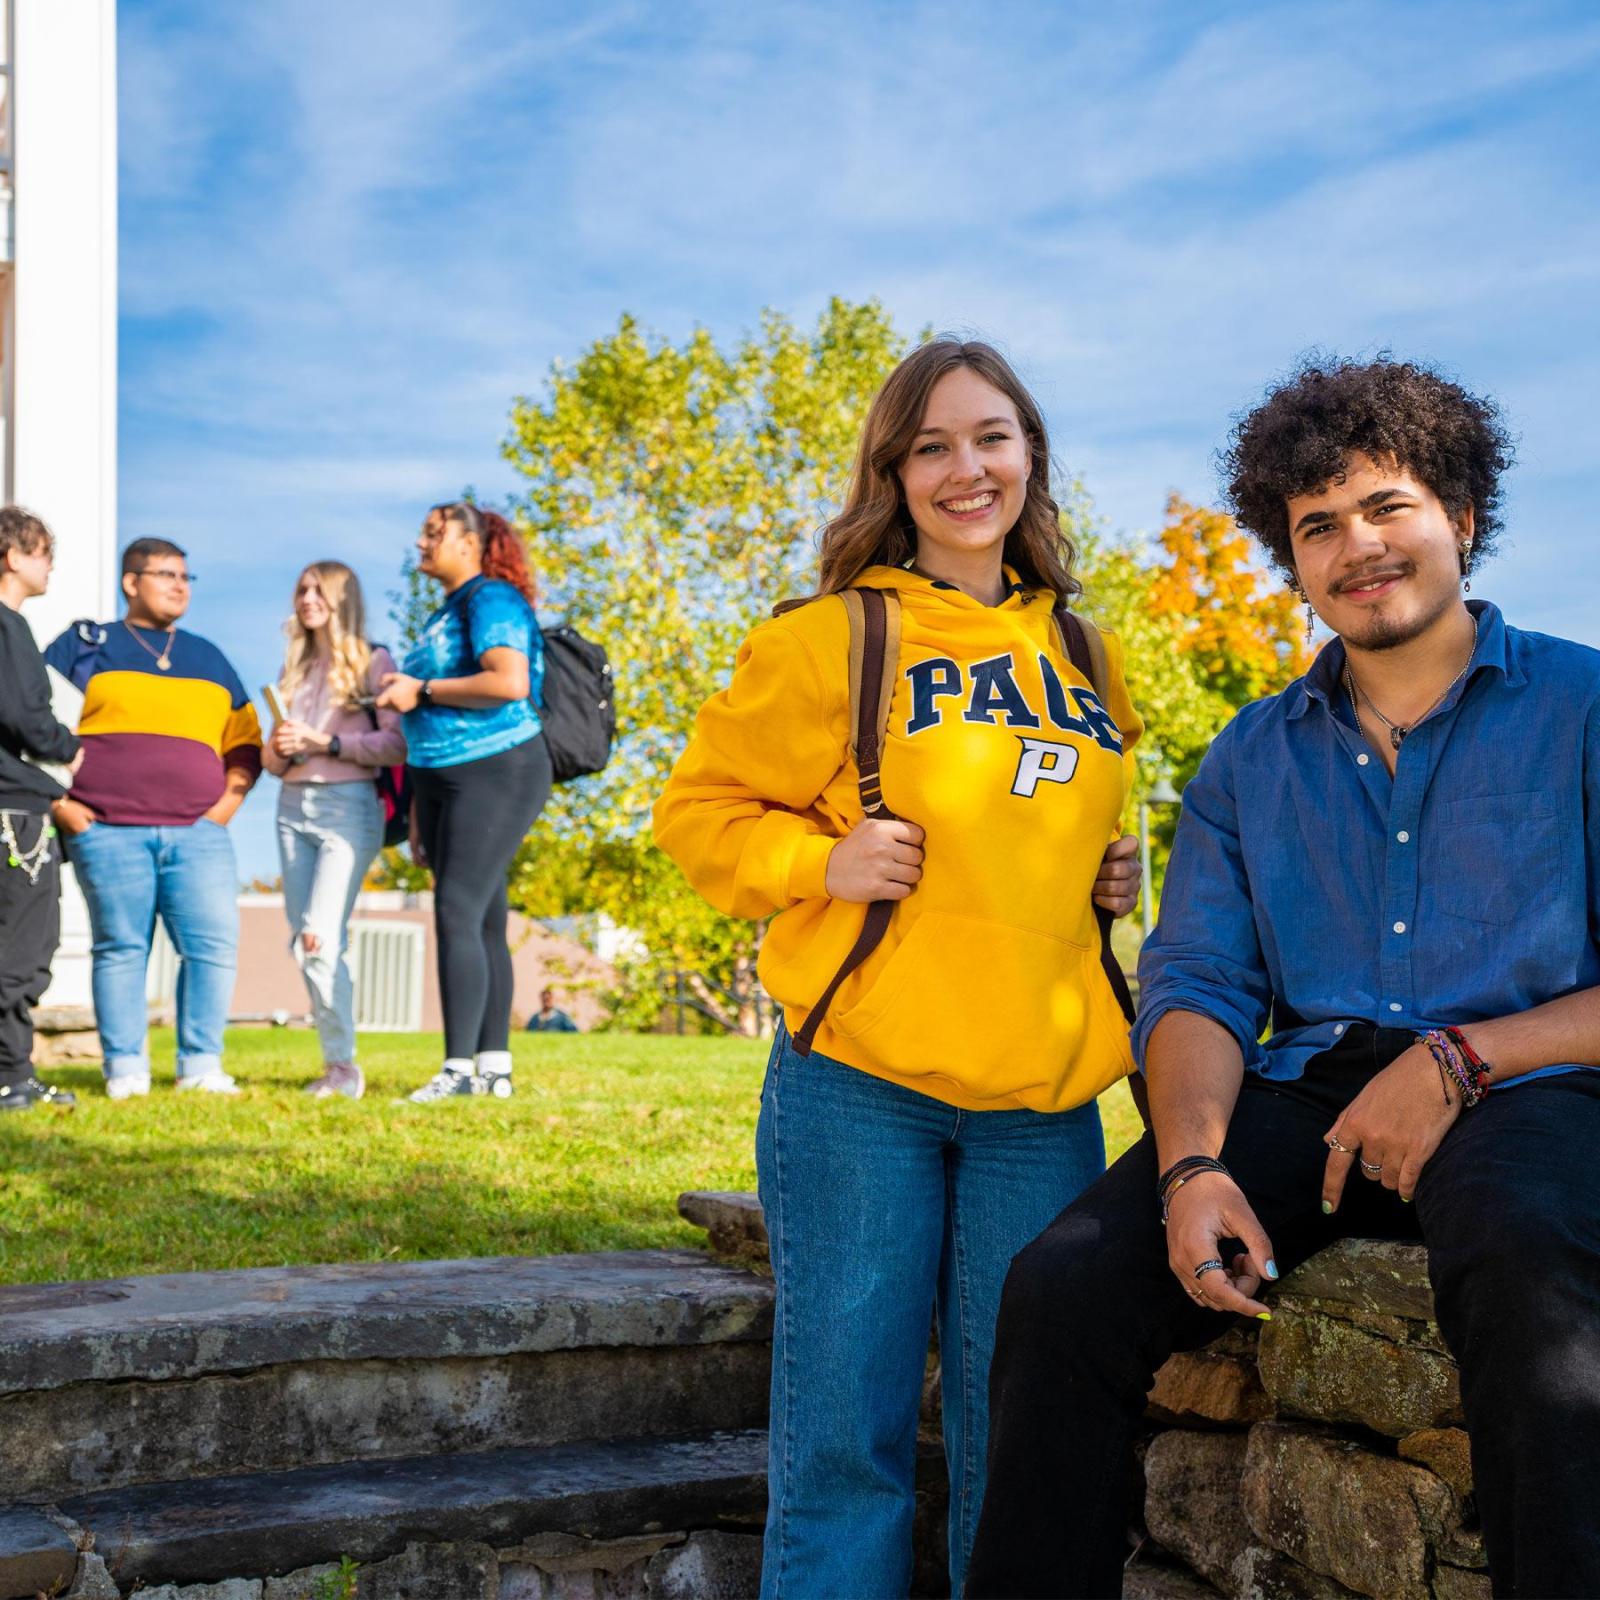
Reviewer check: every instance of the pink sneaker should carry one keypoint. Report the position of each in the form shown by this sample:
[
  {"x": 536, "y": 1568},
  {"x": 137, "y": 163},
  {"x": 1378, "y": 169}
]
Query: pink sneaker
[{"x": 338, "y": 1077}]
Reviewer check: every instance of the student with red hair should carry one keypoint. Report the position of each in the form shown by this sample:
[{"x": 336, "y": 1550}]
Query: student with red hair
[{"x": 468, "y": 696}]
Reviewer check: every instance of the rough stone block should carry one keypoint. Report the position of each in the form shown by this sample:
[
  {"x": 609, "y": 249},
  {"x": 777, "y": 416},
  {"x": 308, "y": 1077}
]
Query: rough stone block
[
  {"x": 464, "y": 1571},
  {"x": 712, "y": 1565},
  {"x": 1362, "y": 1519},
  {"x": 1374, "y": 1276},
  {"x": 1209, "y": 1386},
  {"x": 306, "y": 1583},
  {"x": 1150, "y": 1580},
  {"x": 1451, "y": 1583},
  {"x": 185, "y": 1325},
  {"x": 1446, "y": 1451},
  {"x": 1191, "y": 1504},
  {"x": 93, "y": 1581},
  {"x": 227, "y": 1589},
  {"x": 87, "y": 1437},
  {"x": 1330, "y": 1370},
  {"x": 35, "y": 1555},
  {"x": 734, "y": 1220}
]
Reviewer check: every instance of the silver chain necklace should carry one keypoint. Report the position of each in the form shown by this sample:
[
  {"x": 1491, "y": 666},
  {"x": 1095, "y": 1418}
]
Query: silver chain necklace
[
  {"x": 31, "y": 861},
  {"x": 162, "y": 657},
  {"x": 1397, "y": 732}
]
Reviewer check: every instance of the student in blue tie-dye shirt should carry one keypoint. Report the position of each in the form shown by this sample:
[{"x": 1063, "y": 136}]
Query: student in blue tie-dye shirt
[{"x": 468, "y": 692}]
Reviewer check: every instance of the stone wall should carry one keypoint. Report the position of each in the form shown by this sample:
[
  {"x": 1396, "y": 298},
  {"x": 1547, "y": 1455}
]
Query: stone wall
[
  {"x": 1321, "y": 1455},
  {"x": 1314, "y": 1457}
]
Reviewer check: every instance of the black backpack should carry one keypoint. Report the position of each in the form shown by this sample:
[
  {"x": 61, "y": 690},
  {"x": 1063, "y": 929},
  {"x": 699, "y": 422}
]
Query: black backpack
[{"x": 577, "y": 709}]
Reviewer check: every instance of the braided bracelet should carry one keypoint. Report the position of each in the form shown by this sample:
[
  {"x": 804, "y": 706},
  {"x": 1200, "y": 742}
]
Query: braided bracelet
[
  {"x": 1455, "y": 1057},
  {"x": 1180, "y": 1173}
]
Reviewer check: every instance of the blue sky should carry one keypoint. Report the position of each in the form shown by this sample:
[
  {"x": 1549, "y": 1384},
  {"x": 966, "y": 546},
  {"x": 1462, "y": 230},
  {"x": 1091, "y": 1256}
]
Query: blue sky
[{"x": 352, "y": 230}]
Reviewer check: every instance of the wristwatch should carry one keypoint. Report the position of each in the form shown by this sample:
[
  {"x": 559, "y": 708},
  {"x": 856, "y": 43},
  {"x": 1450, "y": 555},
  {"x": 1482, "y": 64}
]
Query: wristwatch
[
  {"x": 334, "y": 747},
  {"x": 425, "y": 693}
]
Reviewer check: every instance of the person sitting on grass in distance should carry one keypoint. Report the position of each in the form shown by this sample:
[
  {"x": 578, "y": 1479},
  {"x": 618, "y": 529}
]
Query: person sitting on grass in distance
[
  {"x": 948, "y": 1110},
  {"x": 549, "y": 1018},
  {"x": 1395, "y": 865},
  {"x": 30, "y": 869},
  {"x": 330, "y": 819},
  {"x": 171, "y": 746}
]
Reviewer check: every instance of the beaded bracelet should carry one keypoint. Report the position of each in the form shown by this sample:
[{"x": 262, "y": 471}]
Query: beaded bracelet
[
  {"x": 1179, "y": 1173},
  {"x": 1456, "y": 1058}
]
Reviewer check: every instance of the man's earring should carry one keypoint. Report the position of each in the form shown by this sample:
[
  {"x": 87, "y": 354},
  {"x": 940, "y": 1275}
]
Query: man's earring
[
  {"x": 1465, "y": 546},
  {"x": 1300, "y": 594}
]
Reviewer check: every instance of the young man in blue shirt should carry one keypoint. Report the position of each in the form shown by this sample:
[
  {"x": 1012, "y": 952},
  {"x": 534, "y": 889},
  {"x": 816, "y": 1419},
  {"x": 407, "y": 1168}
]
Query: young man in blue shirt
[{"x": 1393, "y": 866}]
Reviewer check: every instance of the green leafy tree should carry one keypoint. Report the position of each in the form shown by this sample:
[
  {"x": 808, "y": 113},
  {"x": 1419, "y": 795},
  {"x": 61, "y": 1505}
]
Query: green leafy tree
[{"x": 673, "y": 493}]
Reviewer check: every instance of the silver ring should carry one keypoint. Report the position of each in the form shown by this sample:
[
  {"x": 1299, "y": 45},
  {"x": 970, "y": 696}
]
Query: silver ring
[
  {"x": 1371, "y": 1166},
  {"x": 1333, "y": 1144},
  {"x": 1213, "y": 1265}
]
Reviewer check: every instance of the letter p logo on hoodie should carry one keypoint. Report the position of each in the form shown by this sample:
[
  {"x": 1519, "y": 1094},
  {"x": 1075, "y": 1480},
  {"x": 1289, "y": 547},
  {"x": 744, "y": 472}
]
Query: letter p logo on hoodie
[{"x": 1042, "y": 761}]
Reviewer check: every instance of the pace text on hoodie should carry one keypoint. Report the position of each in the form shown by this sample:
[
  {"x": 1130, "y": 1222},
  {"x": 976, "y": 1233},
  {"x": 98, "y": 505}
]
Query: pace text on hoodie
[{"x": 987, "y": 991}]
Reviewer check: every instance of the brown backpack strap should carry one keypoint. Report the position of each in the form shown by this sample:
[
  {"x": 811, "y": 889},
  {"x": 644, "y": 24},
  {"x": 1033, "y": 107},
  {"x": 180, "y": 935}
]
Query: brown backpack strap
[{"x": 874, "y": 652}]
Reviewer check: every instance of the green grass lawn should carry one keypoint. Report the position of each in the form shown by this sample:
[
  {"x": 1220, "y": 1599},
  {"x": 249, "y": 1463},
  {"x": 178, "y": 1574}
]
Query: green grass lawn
[{"x": 604, "y": 1132}]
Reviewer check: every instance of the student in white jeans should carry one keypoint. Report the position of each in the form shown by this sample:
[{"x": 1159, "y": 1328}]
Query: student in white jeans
[{"x": 330, "y": 819}]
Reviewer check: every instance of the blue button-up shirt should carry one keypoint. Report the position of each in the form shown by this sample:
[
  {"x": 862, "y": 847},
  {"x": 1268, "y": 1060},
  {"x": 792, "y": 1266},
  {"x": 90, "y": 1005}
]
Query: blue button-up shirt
[{"x": 1308, "y": 890}]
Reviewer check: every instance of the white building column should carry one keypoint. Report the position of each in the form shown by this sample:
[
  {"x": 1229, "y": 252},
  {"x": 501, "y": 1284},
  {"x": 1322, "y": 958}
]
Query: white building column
[{"x": 58, "y": 284}]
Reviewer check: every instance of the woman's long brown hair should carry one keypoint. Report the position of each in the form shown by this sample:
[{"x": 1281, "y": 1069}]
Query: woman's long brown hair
[{"x": 875, "y": 526}]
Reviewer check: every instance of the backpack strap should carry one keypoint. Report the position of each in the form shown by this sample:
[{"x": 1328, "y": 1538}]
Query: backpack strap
[
  {"x": 1086, "y": 650},
  {"x": 874, "y": 652}
]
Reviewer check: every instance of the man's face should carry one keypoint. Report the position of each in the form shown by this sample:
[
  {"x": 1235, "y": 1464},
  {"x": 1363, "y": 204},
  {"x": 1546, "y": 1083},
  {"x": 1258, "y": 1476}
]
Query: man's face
[
  {"x": 160, "y": 590},
  {"x": 1376, "y": 553}
]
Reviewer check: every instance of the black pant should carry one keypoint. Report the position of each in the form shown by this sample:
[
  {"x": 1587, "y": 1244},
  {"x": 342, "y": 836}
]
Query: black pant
[
  {"x": 472, "y": 819},
  {"x": 1509, "y": 1208},
  {"x": 30, "y": 929}
]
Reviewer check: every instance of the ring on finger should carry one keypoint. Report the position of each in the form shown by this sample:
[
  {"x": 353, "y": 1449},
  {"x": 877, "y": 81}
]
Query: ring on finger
[
  {"x": 1213, "y": 1265},
  {"x": 1198, "y": 1295},
  {"x": 1333, "y": 1144},
  {"x": 1372, "y": 1167}
]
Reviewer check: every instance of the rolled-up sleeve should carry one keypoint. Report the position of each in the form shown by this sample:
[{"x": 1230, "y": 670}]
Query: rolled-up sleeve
[{"x": 1205, "y": 956}]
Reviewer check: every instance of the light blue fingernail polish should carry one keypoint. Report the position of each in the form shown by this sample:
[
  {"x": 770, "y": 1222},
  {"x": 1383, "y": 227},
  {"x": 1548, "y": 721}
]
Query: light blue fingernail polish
[{"x": 1272, "y": 1269}]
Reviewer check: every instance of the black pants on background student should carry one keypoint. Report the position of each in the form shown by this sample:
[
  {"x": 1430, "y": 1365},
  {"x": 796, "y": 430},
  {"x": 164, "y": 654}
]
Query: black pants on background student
[
  {"x": 1509, "y": 1208},
  {"x": 30, "y": 929},
  {"x": 471, "y": 819}
]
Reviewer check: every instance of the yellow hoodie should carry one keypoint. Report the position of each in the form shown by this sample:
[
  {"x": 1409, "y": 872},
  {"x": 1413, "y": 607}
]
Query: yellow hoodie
[{"x": 987, "y": 991}]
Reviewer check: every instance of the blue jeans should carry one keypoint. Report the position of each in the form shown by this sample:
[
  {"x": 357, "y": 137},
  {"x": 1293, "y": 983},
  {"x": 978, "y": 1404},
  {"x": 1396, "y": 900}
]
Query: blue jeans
[
  {"x": 885, "y": 1206},
  {"x": 328, "y": 834},
  {"x": 186, "y": 876}
]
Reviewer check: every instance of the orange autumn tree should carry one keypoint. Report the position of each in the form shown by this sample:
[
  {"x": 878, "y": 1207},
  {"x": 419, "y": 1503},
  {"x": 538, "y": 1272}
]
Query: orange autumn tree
[{"x": 1242, "y": 631}]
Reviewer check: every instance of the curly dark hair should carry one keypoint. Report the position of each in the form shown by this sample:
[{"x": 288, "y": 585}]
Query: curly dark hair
[{"x": 1297, "y": 439}]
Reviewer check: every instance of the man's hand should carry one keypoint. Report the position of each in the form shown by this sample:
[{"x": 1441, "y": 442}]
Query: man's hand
[
  {"x": 1391, "y": 1128},
  {"x": 1116, "y": 885},
  {"x": 876, "y": 860},
  {"x": 398, "y": 692},
  {"x": 72, "y": 817},
  {"x": 291, "y": 738},
  {"x": 1206, "y": 1210}
]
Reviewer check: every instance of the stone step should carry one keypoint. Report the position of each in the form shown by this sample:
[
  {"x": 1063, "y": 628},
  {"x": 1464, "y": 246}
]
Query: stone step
[
  {"x": 108, "y": 1384},
  {"x": 266, "y": 1524}
]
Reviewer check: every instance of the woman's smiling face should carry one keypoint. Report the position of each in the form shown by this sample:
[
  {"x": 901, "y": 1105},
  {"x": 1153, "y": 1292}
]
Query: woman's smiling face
[{"x": 966, "y": 476}]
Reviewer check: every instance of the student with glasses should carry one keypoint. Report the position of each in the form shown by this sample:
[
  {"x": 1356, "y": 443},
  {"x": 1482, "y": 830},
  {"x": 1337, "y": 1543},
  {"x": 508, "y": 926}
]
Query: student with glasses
[{"x": 171, "y": 746}]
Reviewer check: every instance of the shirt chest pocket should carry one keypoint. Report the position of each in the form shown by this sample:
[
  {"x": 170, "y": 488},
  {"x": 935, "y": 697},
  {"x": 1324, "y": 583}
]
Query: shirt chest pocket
[{"x": 1496, "y": 858}]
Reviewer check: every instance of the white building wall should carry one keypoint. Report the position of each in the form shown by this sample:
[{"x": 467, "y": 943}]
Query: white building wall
[{"x": 60, "y": 327}]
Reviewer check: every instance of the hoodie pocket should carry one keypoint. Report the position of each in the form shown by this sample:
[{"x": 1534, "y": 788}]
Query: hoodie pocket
[{"x": 1001, "y": 1010}]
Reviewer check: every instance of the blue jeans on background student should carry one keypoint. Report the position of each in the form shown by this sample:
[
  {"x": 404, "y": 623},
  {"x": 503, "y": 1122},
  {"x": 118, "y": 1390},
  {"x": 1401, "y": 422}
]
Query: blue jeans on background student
[
  {"x": 328, "y": 834},
  {"x": 883, "y": 1207},
  {"x": 186, "y": 876}
]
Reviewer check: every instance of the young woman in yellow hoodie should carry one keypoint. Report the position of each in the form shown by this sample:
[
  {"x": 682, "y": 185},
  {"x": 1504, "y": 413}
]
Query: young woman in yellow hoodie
[{"x": 946, "y": 1112}]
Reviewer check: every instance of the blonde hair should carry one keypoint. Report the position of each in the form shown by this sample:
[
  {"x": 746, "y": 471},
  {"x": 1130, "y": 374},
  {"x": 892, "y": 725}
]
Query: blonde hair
[
  {"x": 350, "y": 658},
  {"x": 875, "y": 528}
]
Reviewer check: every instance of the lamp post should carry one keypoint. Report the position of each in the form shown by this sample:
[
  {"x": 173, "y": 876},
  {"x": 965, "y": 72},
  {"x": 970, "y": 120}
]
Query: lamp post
[{"x": 1160, "y": 793}]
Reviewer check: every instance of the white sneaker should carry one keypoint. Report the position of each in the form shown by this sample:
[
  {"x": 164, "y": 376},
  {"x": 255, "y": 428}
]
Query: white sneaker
[
  {"x": 211, "y": 1083},
  {"x": 127, "y": 1086},
  {"x": 445, "y": 1084}
]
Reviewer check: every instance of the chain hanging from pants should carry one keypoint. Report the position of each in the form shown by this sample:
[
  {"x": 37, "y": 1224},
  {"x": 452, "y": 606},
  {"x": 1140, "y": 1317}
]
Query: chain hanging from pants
[{"x": 32, "y": 860}]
